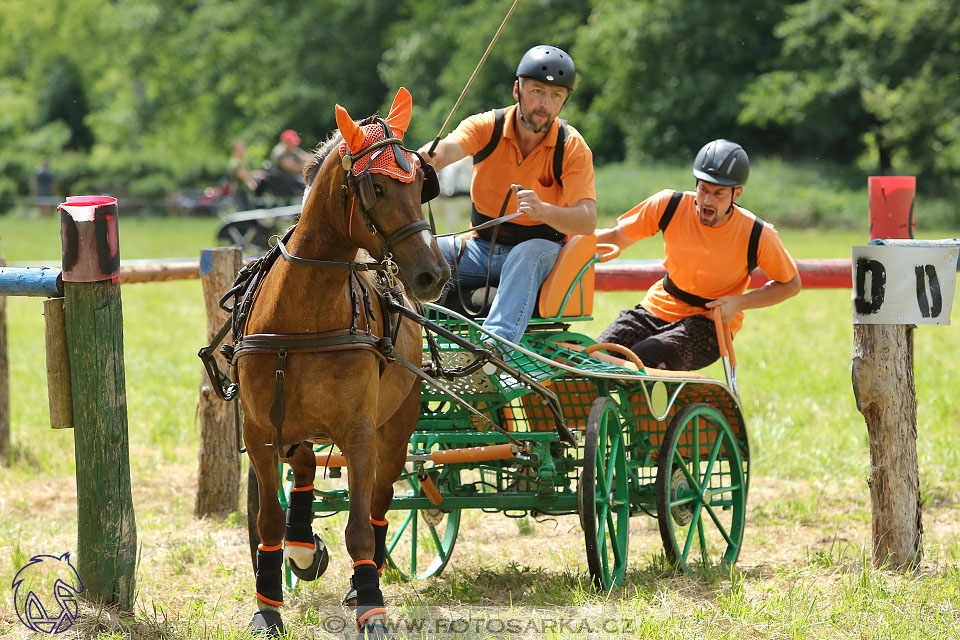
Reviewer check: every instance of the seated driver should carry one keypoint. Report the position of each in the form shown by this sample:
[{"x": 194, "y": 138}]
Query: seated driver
[{"x": 516, "y": 149}]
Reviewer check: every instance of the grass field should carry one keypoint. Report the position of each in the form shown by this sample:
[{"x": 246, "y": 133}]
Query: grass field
[{"x": 804, "y": 571}]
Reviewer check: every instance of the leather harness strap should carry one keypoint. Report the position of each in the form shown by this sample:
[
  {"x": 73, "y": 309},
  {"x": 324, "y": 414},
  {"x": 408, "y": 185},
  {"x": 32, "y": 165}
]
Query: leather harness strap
[{"x": 390, "y": 295}]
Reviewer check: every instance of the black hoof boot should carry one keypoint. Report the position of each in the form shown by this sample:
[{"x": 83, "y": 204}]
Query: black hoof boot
[
  {"x": 371, "y": 613},
  {"x": 321, "y": 558},
  {"x": 266, "y": 622}
]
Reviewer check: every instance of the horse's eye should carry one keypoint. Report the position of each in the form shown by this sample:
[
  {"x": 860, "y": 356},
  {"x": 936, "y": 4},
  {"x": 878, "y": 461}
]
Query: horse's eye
[{"x": 378, "y": 189}]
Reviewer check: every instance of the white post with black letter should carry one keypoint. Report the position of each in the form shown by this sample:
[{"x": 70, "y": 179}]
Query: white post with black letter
[{"x": 897, "y": 284}]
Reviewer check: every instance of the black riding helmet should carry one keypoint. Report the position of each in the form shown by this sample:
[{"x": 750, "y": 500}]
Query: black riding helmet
[
  {"x": 723, "y": 163},
  {"x": 548, "y": 64}
]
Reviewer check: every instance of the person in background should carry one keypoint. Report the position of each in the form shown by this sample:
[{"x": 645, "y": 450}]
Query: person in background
[
  {"x": 711, "y": 245},
  {"x": 516, "y": 154},
  {"x": 287, "y": 162},
  {"x": 242, "y": 179}
]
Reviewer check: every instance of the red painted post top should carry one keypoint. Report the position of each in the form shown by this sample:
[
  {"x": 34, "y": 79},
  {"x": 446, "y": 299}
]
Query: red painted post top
[
  {"x": 891, "y": 206},
  {"x": 89, "y": 238}
]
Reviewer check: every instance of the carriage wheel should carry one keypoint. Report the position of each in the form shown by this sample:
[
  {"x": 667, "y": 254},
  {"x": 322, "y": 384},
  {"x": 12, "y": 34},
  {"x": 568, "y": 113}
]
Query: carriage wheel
[
  {"x": 604, "y": 501},
  {"x": 421, "y": 542},
  {"x": 701, "y": 490}
]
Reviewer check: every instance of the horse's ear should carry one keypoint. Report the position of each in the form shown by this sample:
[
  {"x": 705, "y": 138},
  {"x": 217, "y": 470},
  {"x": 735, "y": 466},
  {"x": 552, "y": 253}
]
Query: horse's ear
[
  {"x": 352, "y": 133},
  {"x": 400, "y": 112}
]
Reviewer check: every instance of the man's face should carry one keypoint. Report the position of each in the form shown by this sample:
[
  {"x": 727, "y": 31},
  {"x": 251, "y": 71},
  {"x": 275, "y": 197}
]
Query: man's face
[
  {"x": 713, "y": 203},
  {"x": 540, "y": 102}
]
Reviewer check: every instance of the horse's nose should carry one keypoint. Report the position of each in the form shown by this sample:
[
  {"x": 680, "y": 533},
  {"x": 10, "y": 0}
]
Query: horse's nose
[{"x": 430, "y": 281}]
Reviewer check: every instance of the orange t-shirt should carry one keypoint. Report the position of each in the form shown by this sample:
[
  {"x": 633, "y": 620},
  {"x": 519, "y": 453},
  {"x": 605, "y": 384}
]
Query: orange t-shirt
[
  {"x": 506, "y": 166},
  {"x": 710, "y": 262}
]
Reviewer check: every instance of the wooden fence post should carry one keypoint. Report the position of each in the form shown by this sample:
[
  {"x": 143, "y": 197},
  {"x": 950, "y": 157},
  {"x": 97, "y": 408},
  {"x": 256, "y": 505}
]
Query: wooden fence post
[
  {"x": 897, "y": 284},
  {"x": 106, "y": 526},
  {"x": 882, "y": 373},
  {"x": 4, "y": 383},
  {"x": 59, "y": 397},
  {"x": 218, "y": 477}
]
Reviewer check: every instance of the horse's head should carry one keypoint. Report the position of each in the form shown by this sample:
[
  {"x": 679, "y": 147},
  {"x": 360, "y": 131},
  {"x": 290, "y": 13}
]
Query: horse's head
[{"x": 380, "y": 186}]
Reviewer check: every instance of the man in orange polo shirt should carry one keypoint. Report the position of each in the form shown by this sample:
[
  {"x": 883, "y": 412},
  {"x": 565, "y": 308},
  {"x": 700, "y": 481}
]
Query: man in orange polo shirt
[
  {"x": 516, "y": 162},
  {"x": 710, "y": 247}
]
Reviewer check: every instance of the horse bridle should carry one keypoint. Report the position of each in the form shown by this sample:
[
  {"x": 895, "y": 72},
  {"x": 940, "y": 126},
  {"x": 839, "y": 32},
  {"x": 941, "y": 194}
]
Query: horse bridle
[{"x": 361, "y": 184}]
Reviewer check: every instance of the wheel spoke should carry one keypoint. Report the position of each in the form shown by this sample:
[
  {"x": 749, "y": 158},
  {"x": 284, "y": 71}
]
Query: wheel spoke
[
  {"x": 683, "y": 501},
  {"x": 716, "y": 521},
  {"x": 399, "y": 534},
  {"x": 717, "y": 490},
  {"x": 413, "y": 544},
  {"x": 611, "y": 525},
  {"x": 703, "y": 543},
  {"x": 601, "y": 527},
  {"x": 696, "y": 442},
  {"x": 690, "y": 531},
  {"x": 600, "y": 488},
  {"x": 713, "y": 458},
  {"x": 436, "y": 538},
  {"x": 614, "y": 452},
  {"x": 695, "y": 483}
]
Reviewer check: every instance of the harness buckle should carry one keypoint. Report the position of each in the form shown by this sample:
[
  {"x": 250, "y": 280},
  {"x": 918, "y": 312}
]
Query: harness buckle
[{"x": 390, "y": 270}]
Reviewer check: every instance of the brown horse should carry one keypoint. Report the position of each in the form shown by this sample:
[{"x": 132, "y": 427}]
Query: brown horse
[{"x": 318, "y": 359}]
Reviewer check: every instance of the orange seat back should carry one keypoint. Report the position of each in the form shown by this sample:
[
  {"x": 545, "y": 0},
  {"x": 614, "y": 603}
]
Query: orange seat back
[{"x": 576, "y": 253}]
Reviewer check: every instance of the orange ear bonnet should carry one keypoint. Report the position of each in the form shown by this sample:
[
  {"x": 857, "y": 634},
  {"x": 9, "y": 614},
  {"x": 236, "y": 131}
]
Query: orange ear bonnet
[{"x": 356, "y": 138}]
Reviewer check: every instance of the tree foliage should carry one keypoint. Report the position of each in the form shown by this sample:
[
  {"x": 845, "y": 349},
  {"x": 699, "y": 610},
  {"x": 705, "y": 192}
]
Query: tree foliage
[
  {"x": 867, "y": 76},
  {"x": 145, "y": 96}
]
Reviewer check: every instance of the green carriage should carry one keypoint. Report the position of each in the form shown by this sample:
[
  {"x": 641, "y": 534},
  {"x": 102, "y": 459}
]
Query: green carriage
[{"x": 552, "y": 426}]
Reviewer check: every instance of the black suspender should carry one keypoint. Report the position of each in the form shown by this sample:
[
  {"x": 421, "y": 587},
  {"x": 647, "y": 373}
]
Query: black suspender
[
  {"x": 753, "y": 247},
  {"x": 670, "y": 210},
  {"x": 481, "y": 155},
  {"x": 558, "y": 152}
]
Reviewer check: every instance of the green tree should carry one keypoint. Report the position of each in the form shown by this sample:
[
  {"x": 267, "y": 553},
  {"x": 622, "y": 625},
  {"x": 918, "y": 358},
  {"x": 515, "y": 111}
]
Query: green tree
[
  {"x": 65, "y": 99},
  {"x": 874, "y": 77},
  {"x": 661, "y": 78}
]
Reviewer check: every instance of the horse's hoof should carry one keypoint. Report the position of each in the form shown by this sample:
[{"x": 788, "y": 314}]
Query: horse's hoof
[
  {"x": 266, "y": 622},
  {"x": 372, "y": 631},
  {"x": 321, "y": 558},
  {"x": 350, "y": 600}
]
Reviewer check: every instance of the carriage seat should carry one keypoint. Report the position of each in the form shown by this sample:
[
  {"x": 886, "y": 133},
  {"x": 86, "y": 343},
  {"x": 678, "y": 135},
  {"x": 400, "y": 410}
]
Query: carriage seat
[{"x": 566, "y": 293}]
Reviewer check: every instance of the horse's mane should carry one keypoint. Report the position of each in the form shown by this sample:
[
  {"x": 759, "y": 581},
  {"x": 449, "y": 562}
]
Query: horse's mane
[{"x": 325, "y": 148}]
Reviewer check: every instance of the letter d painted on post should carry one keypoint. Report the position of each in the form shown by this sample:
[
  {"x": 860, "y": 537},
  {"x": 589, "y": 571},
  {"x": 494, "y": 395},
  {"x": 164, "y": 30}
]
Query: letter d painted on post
[{"x": 865, "y": 302}]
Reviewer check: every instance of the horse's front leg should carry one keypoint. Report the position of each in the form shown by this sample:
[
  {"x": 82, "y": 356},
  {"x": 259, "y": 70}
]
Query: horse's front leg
[
  {"x": 270, "y": 525},
  {"x": 360, "y": 449},
  {"x": 393, "y": 441},
  {"x": 304, "y": 550}
]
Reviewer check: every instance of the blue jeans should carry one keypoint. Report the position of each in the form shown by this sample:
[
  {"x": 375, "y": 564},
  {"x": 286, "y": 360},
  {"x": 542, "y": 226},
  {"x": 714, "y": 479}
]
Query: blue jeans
[{"x": 517, "y": 271}]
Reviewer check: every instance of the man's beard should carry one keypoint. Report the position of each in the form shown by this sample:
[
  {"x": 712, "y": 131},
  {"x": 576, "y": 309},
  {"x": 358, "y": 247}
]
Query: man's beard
[{"x": 529, "y": 125}]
